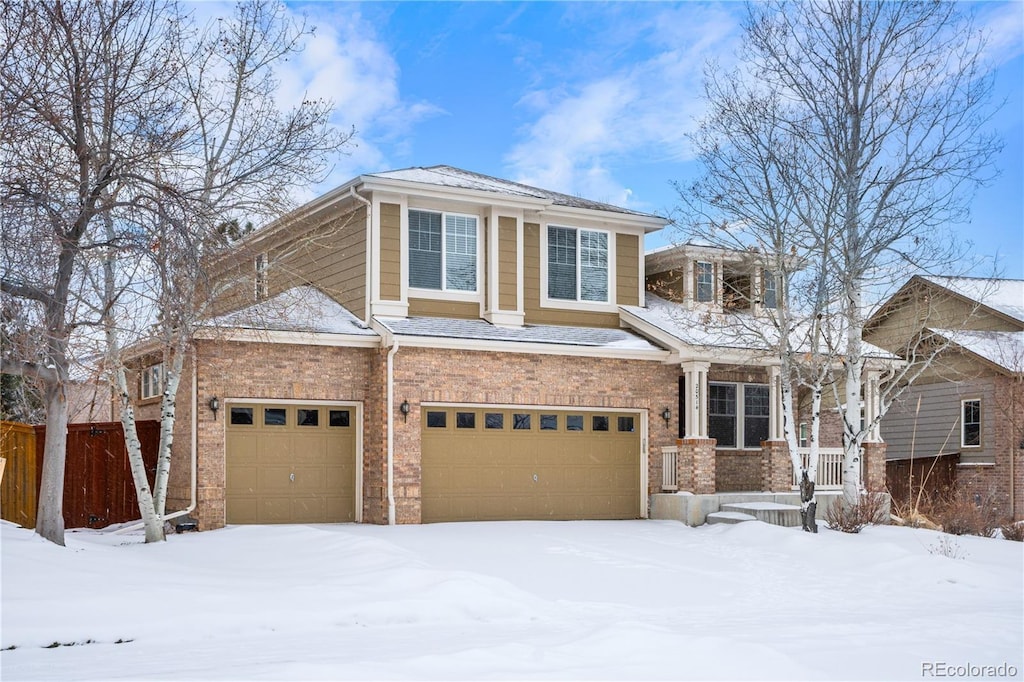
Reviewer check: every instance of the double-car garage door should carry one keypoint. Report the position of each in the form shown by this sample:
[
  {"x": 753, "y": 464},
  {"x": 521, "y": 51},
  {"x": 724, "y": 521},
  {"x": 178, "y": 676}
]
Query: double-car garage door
[
  {"x": 489, "y": 463},
  {"x": 291, "y": 463}
]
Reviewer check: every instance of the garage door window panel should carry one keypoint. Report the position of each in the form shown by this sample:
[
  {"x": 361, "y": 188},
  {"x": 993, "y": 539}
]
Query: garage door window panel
[
  {"x": 549, "y": 422},
  {"x": 494, "y": 421},
  {"x": 308, "y": 417},
  {"x": 626, "y": 425},
  {"x": 599, "y": 423},
  {"x": 465, "y": 420},
  {"x": 339, "y": 418},
  {"x": 437, "y": 419},
  {"x": 241, "y": 416},
  {"x": 521, "y": 422},
  {"x": 574, "y": 422},
  {"x": 275, "y": 416}
]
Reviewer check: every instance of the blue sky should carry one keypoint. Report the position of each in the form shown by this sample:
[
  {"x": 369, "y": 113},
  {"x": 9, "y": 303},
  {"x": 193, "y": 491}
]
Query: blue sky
[{"x": 583, "y": 98}]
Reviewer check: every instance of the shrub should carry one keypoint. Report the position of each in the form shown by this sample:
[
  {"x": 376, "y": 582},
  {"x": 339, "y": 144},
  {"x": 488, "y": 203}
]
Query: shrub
[
  {"x": 959, "y": 513},
  {"x": 947, "y": 547},
  {"x": 1013, "y": 531},
  {"x": 870, "y": 509}
]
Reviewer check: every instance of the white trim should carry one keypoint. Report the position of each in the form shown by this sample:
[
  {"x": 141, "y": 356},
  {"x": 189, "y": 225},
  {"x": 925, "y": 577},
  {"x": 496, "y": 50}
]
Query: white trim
[
  {"x": 963, "y": 425},
  {"x": 358, "y": 405},
  {"x": 473, "y": 295},
  {"x": 608, "y": 305},
  {"x": 741, "y": 414}
]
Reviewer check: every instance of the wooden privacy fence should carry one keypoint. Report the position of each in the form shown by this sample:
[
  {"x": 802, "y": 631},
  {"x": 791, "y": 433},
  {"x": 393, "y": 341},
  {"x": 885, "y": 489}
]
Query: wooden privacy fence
[
  {"x": 98, "y": 487},
  {"x": 19, "y": 486},
  {"x": 905, "y": 478}
]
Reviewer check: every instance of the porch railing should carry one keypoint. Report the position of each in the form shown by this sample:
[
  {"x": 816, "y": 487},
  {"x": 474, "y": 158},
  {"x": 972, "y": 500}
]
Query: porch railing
[
  {"x": 668, "y": 468},
  {"x": 830, "y": 468}
]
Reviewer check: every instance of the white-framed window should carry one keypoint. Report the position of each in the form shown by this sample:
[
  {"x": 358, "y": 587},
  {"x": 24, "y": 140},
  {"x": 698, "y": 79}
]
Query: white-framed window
[
  {"x": 804, "y": 437},
  {"x": 738, "y": 414},
  {"x": 442, "y": 251},
  {"x": 769, "y": 289},
  {"x": 152, "y": 381},
  {"x": 577, "y": 264},
  {"x": 970, "y": 423},
  {"x": 260, "y": 278},
  {"x": 704, "y": 274}
]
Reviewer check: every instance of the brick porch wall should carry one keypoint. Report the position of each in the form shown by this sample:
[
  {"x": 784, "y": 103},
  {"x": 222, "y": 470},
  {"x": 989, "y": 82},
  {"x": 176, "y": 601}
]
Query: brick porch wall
[
  {"x": 874, "y": 467},
  {"x": 737, "y": 470},
  {"x": 776, "y": 466}
]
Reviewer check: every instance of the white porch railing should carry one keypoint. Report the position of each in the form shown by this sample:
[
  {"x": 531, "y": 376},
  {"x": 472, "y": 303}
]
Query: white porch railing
[
  {"x": 830, "y": 468},
  {"x": 668, "y": 468}
]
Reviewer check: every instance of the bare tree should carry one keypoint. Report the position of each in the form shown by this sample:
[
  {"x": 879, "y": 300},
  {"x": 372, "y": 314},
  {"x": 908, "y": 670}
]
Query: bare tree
[
  {"x": 83, "y": 88},
  {"x": 129, "y": 141},
  {"x": 869, "y": 140}
]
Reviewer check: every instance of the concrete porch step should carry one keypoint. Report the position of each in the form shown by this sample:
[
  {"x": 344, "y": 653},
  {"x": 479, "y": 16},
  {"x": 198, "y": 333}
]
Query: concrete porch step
[
  {"x": 729, "y": 517},
  {"x": 777, "y": 514}
]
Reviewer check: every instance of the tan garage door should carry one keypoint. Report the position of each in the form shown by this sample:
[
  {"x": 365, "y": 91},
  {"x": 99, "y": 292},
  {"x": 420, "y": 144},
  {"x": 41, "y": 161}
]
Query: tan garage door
[
  {"x": 291, "y": 463},
  {"x": 493, "y": 464}
]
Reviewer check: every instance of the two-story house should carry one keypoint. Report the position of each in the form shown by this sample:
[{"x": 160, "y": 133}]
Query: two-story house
[
  {"x": 968, "y": 404},
  {"x": 431, "y": 344}
]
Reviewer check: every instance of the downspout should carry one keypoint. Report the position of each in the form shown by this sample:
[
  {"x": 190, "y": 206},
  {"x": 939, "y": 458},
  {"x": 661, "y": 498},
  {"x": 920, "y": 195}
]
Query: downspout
[
  {"x": 194, "y": 474},
  {"x": 391, "y": 429}
]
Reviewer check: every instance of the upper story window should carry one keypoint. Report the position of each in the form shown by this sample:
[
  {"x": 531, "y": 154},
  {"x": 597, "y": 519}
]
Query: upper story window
[
  {"x": 442, "y": 251},
  {"x": 704, "y": 273},
  {"x": 970, "y": 423},
  {"x": 152, "y": 381},
  {"x": 733, "y": 426},
  {"x": 769, "y": 289},
  {"x": 260, "y": 280},
  {"x": 577, "y": 264}
]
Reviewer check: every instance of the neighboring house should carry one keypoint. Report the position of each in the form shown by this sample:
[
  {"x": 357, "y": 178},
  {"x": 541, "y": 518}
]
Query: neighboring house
[
  {"x": 431, "y": 344},
  {"x": 969, "y": 402}
]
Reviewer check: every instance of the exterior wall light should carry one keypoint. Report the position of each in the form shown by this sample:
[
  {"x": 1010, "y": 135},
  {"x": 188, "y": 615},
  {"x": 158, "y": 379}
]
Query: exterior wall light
[
  {"x": 666, "y": 414},
  {"x": 404, "y": 409},
  {"x": 214, "y": 405}
]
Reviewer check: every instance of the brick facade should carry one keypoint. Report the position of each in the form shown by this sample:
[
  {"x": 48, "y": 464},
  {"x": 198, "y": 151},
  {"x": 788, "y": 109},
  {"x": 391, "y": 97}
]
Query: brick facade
[
  {"x": 701, "y": 456},
  {"x": 776, "y": 466},
  {"x": 874, "y": 467}
]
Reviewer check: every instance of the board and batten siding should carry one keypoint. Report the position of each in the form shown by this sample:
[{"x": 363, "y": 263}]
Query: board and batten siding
[
  {"x": 391, "y": 252},
  {"x": 935, "y": 429}
]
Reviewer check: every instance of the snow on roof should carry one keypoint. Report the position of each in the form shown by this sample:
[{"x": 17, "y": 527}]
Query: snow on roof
[
  {"x": 717, "y": 329},
  {"x": 1004, "y": 295},
  {"x": 1005, "y": 349},
  {"x": 449, "y": 176},
  {"x": 485, "y": 331},
  {"x": 303, "y": 308}
]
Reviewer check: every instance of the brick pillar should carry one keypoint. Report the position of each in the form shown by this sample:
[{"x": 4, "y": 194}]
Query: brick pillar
[
  {"x": 874, "y": 466},
  {"x": 701, "y": 454},
  {"x": 776, "y": 467}
]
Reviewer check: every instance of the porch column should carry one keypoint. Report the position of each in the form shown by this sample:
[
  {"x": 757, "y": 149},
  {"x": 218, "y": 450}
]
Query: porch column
[
  {"x": 695, "y": 401},
  {"x": 871, "y": 406},
  {"x": 775, "y": 423}
]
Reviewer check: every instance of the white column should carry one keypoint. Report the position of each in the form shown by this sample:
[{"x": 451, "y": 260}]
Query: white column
[{"x": 696, "y": 399}]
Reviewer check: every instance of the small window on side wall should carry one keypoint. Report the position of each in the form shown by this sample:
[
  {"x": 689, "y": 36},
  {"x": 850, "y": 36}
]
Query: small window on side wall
[
  {"x": 704, "y": 273},
  {"x": 152, "y": 381},
  {"x": 260, "y": 279},
  {"x": 970, "y": 423}
]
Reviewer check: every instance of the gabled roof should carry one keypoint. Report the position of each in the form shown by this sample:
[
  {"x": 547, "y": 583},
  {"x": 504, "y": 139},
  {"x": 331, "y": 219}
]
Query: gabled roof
[
  {"x": 1002, "y": 295},
  {"x": 449, "y": 176},
  {"x": 1003, "y": 349},
  {"x": 301, "y": 309}
]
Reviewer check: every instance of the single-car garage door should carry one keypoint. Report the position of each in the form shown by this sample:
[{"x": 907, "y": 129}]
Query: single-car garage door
[
  {"x": 482, "y": 464},
  {"x": 291, "y": 463}
]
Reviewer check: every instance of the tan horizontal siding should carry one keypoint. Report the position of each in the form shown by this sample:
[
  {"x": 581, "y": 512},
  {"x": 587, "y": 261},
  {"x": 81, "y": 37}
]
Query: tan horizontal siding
[
  {"x": 627, "y": 269},
  {"x": 508, "y": 298},
  {"x": 390, "y": 252},
  {"x": 427, "y": 307}
]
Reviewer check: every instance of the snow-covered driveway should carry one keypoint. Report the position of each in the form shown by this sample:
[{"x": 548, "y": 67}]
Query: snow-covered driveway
[{"x": 512, "y": 600}]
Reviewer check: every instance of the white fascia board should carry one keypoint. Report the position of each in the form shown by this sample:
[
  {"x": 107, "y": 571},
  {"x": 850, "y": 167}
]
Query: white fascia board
[
  {"x": 647, "y": 223},
  {"x": 446, "y": 193},
  {"x": 715, "y": 354},
  {"x": 298, "y": 338},
  {"x": 533, "y": 348}
]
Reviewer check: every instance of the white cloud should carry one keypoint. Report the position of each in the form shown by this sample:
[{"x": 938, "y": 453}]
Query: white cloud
[
  {"x": 642, "y": 109},
  {"x": 1003, "y": 24},
  {"x": 345, "y": 62}
]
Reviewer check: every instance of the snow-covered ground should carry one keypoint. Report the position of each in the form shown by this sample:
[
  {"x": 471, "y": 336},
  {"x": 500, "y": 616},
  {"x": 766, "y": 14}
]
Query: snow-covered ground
[{"x": 516, "y": 600}]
